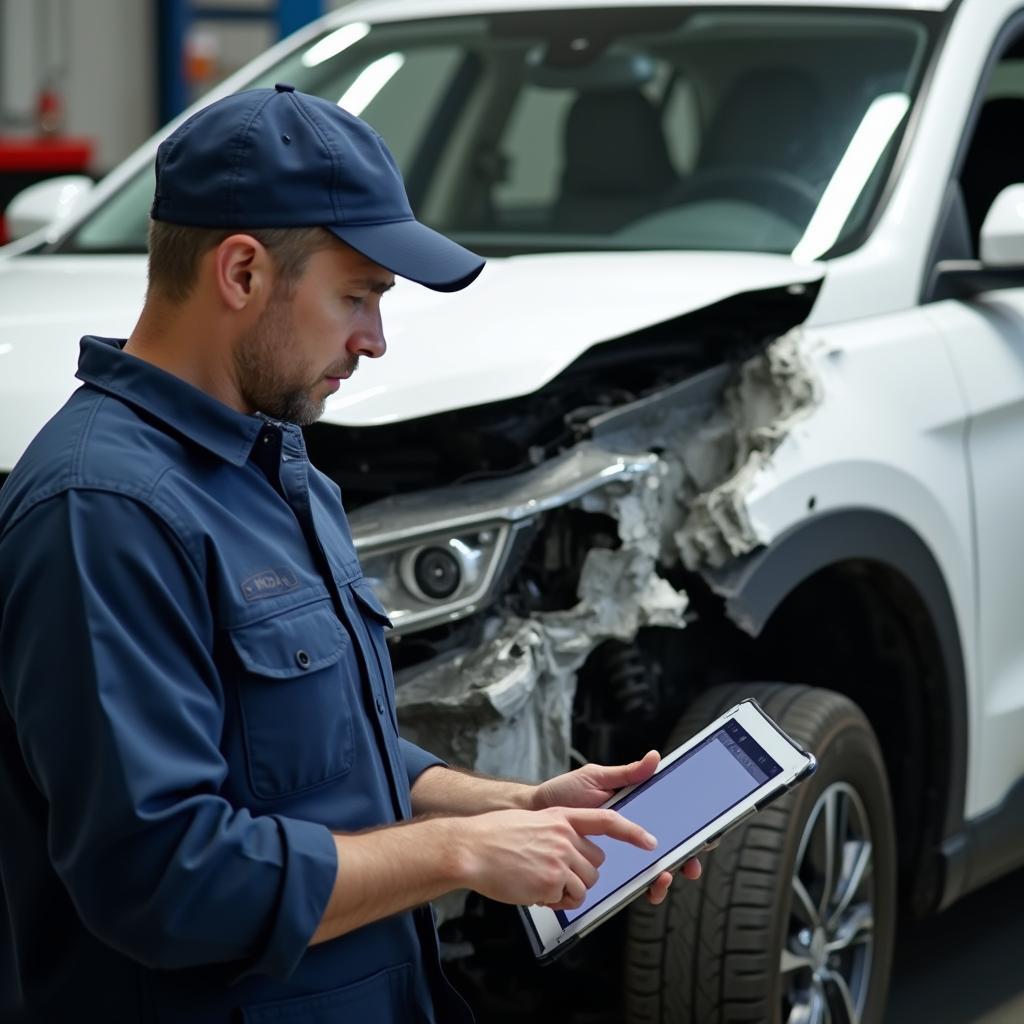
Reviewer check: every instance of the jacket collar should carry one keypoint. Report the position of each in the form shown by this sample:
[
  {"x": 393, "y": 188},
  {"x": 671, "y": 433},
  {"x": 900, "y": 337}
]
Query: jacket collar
[{"x": 185, "y": 409}]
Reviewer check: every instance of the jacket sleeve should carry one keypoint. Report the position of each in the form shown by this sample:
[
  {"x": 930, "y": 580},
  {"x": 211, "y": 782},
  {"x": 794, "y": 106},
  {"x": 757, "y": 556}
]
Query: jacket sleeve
[
  {"x": 105, "y": 642},
  {"x": 417, "y": 760}
]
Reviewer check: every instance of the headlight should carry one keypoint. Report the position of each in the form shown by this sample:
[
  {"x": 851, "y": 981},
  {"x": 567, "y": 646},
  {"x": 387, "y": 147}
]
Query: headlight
[
  {"x": 439, "y": 571},
  {"x": 439, "y": 578},
  {"x": 437, "y": 556}
]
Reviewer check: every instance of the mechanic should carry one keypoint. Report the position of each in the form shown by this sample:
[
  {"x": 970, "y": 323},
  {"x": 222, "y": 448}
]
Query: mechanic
[{"x": 208, "y": 813}]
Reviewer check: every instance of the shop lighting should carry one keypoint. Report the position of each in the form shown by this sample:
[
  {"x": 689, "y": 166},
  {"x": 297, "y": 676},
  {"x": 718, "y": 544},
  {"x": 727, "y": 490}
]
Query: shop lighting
[
  {"x": 330, "y": 46},
  {"x": 360, "y": 94}
]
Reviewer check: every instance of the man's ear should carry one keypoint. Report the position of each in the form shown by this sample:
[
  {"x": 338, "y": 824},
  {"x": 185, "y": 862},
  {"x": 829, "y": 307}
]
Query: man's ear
[{"x": 243, "y": 272}]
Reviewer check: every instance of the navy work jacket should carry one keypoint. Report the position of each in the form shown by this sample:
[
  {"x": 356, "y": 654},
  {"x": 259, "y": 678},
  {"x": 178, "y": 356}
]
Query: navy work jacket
[{"x": 196, "y": 690}]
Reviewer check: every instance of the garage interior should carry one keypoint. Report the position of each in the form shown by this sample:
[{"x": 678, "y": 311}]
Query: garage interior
[{"x": 85, "y": 83}]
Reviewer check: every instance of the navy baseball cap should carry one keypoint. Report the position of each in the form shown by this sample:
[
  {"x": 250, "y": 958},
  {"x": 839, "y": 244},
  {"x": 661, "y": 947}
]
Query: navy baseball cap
[{"x": 277, "y": 158}]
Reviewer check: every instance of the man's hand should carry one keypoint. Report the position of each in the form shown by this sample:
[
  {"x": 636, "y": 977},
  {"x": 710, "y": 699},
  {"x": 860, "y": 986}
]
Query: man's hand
[
  {"x": 595, "y": 784},
  {"x": 519, "y": 857},
  {"x": 541, "y": 857}
]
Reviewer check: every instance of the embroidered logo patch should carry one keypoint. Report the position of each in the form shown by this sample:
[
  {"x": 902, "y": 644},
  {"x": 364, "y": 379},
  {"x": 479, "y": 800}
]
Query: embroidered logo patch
[{"x": 269, "y": 583}]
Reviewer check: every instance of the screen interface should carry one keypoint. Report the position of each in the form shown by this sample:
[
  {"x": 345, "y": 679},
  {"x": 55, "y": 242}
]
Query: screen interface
[{"x": 677, "y": 803}]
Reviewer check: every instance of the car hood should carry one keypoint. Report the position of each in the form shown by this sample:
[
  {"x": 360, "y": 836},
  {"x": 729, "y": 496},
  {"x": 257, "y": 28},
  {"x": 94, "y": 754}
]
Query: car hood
[{"x": 520, "y": 324}]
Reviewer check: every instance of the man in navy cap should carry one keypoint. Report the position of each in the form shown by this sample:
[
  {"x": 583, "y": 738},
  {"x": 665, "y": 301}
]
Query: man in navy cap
[{"x": 208, "y": 813}]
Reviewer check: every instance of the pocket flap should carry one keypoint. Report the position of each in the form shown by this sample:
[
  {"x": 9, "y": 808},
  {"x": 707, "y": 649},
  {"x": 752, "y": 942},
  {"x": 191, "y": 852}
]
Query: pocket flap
[
  {"x": 369, "y": 601},
  {"x": 297, "y": 641}
]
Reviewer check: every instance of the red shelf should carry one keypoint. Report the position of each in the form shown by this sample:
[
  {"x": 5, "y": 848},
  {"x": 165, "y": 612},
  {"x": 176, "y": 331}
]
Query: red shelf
[{"x": 44, "y": 156}]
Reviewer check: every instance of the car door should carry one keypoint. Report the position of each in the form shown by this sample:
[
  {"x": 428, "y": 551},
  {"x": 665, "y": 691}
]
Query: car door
[{"x": 985, "y": 338}]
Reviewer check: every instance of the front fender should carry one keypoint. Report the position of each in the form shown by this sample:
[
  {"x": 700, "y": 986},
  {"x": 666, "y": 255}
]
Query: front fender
[{"x": 755, "y": 586}]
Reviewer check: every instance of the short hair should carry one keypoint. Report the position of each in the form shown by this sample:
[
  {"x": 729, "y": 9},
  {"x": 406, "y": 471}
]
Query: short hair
[{"x": 176, "y": 249}]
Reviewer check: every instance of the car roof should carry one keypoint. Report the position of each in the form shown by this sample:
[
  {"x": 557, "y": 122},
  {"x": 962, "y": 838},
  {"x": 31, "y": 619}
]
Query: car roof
[{"x": 400, "y": 10}]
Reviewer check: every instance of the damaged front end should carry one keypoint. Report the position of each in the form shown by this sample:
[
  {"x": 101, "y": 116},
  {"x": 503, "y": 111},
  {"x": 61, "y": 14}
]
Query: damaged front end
[
  {"x": 517, "y": 543},
  {"x": 502, "y": 704}
]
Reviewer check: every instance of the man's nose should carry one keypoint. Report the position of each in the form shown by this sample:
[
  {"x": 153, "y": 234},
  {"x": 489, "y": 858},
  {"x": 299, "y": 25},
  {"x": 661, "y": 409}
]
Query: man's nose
[{"x": 368, "y": 340}]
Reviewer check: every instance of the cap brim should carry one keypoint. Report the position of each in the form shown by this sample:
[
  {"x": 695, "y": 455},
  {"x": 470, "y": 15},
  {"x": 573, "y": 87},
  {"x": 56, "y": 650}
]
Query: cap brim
[{"x": 411, "y": 249}]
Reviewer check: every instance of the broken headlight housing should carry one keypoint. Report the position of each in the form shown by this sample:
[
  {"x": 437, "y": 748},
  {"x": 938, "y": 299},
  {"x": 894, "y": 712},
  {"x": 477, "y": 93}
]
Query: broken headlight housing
[
  {"x": 439, "y": 577},
  {"x": 440, "y": 555}
]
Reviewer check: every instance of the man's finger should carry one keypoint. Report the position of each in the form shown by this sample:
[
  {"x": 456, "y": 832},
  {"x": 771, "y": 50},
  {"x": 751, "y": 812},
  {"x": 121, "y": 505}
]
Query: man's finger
[
  {"x": 573, "y": 894},
  {"x": 590, "y": 850},
  {"x": 611, "y": 824},
  {"x": 659, "y": 888},
  {"x": 583, "y": 869},
  {"x": 617, "y": 776}
]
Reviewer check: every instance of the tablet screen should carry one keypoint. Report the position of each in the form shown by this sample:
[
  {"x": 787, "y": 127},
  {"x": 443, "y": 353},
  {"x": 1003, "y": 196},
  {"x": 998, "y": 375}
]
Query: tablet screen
[{"x": 677, "y": 803}]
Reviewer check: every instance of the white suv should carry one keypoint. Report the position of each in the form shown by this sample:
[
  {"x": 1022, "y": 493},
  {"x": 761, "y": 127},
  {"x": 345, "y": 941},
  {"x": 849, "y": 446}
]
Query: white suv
[{"x": 739, "y": 397}]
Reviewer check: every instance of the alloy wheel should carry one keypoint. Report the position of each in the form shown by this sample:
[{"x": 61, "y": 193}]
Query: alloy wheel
[{"x": 826, "y": 959}]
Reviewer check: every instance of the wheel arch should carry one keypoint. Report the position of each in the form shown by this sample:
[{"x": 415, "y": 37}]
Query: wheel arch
[{"x": 757, "y": 588}]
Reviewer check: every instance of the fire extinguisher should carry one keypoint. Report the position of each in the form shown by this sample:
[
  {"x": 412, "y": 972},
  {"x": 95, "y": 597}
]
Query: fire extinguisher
[{"x": 49, "y": 111}]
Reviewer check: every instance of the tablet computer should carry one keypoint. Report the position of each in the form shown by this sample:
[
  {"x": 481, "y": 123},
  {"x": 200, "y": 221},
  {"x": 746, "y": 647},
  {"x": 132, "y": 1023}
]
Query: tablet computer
[{"x": 734, "y": 767}]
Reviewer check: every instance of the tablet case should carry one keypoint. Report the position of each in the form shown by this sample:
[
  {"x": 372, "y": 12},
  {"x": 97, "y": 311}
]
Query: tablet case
[{"x": 551, "y": 955}]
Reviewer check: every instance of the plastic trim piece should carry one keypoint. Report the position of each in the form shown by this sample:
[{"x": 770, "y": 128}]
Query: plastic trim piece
[{"x": 987, "y": 848}]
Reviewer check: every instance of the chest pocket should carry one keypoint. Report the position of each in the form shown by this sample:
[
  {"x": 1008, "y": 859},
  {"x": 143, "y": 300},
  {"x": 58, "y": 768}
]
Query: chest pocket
[
  {"x": 298, "y": 691},
  {"x": 376, "y": 621}
]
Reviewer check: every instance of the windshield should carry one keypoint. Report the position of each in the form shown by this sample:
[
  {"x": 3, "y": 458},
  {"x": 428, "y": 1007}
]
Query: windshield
[{"x": 641, "y": 128}]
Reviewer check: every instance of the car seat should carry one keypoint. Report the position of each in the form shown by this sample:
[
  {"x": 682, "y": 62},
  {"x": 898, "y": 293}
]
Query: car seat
[{"x": 617, "y": 163}]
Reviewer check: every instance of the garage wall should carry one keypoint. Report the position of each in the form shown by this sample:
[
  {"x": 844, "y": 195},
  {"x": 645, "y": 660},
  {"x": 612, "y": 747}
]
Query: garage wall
[
  {"x": 111, "y": 92},
  {"x": 102, "y": 52},
  {"x": 17, "y": 61}
]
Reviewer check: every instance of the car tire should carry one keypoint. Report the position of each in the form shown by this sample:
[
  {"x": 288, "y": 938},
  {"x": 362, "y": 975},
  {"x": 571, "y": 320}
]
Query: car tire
[{"x": 744, "y": 944}]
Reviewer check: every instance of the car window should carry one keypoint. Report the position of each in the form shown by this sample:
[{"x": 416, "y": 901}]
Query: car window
[
  {"x": 994, "y": 159},
  {"x": 711, "y": 128},
  {"x": 531, "y": 149},
  {"x": 1007, "y": 79},
  {"x": 401, "y": 111}
]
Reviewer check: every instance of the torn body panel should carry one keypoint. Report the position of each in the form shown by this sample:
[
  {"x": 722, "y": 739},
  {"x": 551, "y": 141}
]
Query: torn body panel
[{"x": 771, "y": 392}]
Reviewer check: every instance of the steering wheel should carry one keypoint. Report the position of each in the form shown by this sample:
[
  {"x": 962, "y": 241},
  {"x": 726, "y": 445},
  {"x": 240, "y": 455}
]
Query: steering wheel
[{"x": 780, "y": 191}]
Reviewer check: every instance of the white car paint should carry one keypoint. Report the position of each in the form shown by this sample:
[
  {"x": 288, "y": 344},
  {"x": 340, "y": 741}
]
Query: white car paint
[
  {"x": 46, "y": 304},
  {"x": 986, "y": 342},
  {"x": 921, "y": 410},
  {"x": 528, "y": 317},
  {"x": 521, "y": 324},
  {"x": 953, "y": 385}
]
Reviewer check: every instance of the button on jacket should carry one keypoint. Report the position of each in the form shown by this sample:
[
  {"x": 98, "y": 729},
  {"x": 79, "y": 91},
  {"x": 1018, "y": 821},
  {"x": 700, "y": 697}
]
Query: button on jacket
[{"x": 196, "y": 690}]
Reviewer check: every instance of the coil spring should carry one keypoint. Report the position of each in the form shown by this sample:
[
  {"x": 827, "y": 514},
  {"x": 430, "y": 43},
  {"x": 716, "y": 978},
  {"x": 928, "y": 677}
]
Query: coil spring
[{"x": 633, "y": 683}]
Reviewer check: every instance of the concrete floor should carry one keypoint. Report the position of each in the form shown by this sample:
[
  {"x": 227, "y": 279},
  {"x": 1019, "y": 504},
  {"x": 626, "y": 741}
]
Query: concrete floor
[{"x": 965, "y": 966}]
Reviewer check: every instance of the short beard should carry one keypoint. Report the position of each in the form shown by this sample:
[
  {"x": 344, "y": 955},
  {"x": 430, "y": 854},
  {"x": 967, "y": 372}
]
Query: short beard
[{"x": 260, "y": 357}]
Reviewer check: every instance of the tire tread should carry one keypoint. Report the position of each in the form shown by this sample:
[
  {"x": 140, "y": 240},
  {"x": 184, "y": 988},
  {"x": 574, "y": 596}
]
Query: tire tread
[{"x": 715, "y": 969}]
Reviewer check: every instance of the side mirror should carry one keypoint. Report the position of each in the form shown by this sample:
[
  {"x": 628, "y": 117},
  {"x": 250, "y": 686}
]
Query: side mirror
[
  {"x": 1002, "y": 233},
  {"x": 46, "y": 202}
]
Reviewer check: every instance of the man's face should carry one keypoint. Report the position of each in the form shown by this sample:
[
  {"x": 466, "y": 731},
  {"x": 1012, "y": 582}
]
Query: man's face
[{"x": 310, "y": 336}]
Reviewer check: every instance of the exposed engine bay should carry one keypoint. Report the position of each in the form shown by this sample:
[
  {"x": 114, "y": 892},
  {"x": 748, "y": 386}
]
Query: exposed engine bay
[{"x": 510, "y": 540}]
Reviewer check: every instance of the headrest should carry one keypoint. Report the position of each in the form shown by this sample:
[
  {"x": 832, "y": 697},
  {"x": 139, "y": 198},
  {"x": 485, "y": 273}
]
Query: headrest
[{"x": 614, "y": 145}]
